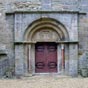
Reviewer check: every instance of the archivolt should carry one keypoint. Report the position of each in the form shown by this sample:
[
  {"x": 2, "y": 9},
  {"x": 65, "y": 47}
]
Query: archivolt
[{"x": 44, "y": 23}]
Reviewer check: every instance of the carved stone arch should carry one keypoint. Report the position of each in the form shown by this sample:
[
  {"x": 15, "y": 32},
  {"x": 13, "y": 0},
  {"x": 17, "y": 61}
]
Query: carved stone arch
[
  {"x": 46, "y": 24},
  {"x": 46, "y": 27}
]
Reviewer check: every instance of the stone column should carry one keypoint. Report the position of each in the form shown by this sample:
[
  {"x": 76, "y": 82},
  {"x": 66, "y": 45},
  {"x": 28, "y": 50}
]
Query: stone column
[
  {"x": 33, "y": 58},
  {"x": 73, "y": 60},
  {"x": 59, "y": 58},
  {"x": 63, "y": 56},
  {"x": 66, "y": 46},
  {"x": 19, "y": 59},
  {"x": 30, "y": 60}
]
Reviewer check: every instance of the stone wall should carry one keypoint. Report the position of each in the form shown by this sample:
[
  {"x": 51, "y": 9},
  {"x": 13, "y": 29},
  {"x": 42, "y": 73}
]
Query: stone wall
[
  {"x": 7, "y": 22},
  {"x": 83, "y": 33},
  {"x": 83, "y": 65},
  {"x": 65, "y": 5}
]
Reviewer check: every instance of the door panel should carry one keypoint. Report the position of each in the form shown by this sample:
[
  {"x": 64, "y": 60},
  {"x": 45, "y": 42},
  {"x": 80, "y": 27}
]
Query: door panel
[
  {"x": 39, "y": 58},
  {"x": 52, "y": 57},
  {"x": 45, "y": 57}
]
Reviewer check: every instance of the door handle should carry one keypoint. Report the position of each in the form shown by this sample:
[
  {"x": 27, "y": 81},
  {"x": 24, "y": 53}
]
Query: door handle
[
  {"x": 52, "y": 65},
  {"x": 40, "y": 65}
]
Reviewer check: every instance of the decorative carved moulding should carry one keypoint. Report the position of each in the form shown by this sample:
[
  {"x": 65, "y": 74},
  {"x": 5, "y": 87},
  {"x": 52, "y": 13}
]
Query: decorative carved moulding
[{"x": 34, "y": 42}]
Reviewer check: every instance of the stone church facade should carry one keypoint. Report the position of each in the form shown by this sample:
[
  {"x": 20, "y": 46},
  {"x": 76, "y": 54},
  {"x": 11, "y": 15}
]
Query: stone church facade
[{"x": 42, "y": 37}]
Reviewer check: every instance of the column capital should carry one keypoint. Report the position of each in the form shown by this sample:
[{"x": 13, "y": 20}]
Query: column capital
[{"x": 62, "y": 46}]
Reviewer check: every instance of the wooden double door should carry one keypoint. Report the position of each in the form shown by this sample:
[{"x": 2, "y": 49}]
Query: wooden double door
[{"x": 45, "y": 57}]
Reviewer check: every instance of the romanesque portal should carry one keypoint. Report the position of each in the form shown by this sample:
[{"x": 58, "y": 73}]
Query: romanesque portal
[{"x": 45, "y": 48}]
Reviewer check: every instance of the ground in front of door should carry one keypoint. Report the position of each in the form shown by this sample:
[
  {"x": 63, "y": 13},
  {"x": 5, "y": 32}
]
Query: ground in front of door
[{"x": 45, "y": 82}]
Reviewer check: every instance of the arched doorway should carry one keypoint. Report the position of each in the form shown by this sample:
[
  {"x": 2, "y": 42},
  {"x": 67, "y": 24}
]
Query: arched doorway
[{"x": 45, "y": 37}]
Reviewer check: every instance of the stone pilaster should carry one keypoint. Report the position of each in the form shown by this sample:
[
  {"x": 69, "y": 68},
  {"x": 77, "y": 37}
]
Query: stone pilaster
[
  {"x": 19, "y": 60},
  {"x": 73, "y": 60},
  {"x": 59, "y": 58}
]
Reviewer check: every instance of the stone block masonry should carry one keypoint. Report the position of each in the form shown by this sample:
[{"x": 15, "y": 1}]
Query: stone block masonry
[{"x": 73, "y": 14}]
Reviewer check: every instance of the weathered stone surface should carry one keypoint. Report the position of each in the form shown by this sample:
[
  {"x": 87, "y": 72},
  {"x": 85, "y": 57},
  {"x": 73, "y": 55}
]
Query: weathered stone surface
[
  {"x": 73, "y": 60},
  {"x": 27, "y": 5},
  {"x": 4, "y": 64},
  {"x": 22, "y": 21},
  {"x": 83, "y": 64},
  {"x": 19, "y": 60},
  {"x": 65, "y": 5},
  {"x": 15, "y": 25}
]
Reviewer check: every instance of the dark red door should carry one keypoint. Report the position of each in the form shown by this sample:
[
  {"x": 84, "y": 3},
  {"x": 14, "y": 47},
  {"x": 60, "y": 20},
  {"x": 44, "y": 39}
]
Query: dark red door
[{"x": 45, "y": 57}]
